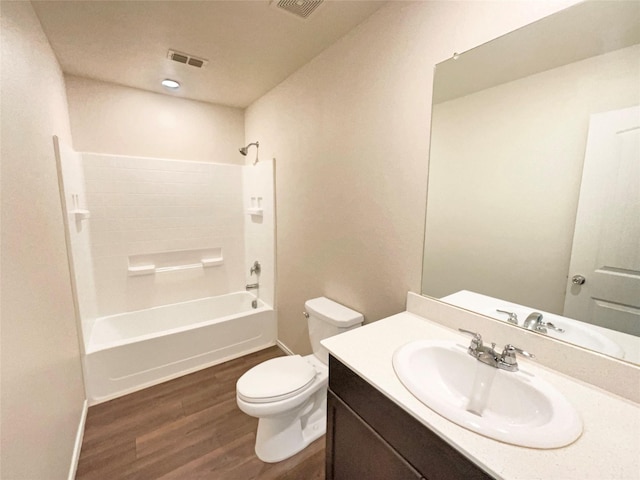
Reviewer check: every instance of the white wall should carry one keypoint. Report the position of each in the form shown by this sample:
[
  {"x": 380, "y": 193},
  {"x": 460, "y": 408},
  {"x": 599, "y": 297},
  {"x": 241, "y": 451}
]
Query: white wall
[
  {"x": 146, "y": 206},
  {"x": 350, "y": 132},
  {"x": 488, "y": 230},
  {"x": 109, "y": 118},
  {"x": 42, "y": 387}
]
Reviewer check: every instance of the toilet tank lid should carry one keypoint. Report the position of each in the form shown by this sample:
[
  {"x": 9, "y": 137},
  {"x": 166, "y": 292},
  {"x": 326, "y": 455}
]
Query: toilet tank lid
[{"x": 333, "y": 312}]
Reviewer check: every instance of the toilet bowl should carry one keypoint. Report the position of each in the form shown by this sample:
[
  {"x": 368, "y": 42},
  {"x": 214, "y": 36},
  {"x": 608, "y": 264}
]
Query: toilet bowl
[
  {"x": 291, "y": 409},
  {"x": 289, "y": 394}
]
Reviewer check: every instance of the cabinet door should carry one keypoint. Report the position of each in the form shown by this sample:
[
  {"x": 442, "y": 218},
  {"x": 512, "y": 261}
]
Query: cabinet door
[
  {"x": 423, "y": 449},
  {"x": 355, "y": 451}
]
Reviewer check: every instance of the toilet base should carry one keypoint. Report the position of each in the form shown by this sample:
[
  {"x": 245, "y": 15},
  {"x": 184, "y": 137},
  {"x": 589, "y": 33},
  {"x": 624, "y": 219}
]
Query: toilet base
[{"x": 281, "y": 437}]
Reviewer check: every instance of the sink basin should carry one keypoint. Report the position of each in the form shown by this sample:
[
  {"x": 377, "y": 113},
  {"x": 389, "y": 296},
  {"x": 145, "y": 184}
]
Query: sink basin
[
  {"x": 513, "y": 407},
  {"x": 580, "y": 334}
]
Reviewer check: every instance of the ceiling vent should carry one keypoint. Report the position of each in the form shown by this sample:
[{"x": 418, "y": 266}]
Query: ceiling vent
[
  {"x": 186, "y": 59},
  {"x": 300, "y": 8}
]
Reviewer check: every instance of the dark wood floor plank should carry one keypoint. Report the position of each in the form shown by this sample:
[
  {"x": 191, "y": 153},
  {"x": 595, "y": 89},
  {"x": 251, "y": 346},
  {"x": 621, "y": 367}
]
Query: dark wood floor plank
[
  {"x": 208, "y": 395},
  {"x": 313, "y": 468},
  {"x": 217, "y": 462},
  {"x": 161, "y": 455},
  {"x": 114, "y": 455},
  {"x": 307, "y": 464},
  {"x": 130, "y": 424},
  {"x": 187, "y": 428}
]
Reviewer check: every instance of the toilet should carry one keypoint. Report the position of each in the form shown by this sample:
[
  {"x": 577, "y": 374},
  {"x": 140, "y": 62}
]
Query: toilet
[{"x": 289, "y": 394}]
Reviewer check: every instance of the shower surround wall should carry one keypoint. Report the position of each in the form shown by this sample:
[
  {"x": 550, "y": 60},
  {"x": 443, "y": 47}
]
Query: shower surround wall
[
  {"x": 150, "y": 206},
  {"x": 160, "y": 253},
  {"x": 74, "y": 198},
  {"x": 259, "y": 187}
]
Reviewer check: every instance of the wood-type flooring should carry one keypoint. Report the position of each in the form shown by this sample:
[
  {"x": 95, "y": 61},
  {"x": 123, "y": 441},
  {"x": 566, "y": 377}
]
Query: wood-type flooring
[{"x": 189, "y": 428}]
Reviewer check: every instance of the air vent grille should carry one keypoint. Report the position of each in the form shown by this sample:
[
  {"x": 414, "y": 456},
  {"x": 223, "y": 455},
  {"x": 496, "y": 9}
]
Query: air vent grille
[
  {"x": 186, "y": 59},
  {"x": 301, "y": 8}
]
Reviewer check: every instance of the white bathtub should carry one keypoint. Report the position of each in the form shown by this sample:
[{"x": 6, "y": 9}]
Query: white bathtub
[{"x": 131, "y": 351}]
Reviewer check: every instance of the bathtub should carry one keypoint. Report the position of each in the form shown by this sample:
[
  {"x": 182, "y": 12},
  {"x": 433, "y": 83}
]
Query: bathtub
[{"x": 134, "y": 350}]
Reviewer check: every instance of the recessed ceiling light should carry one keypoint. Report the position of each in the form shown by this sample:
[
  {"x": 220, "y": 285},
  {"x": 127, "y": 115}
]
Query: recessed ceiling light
[{"x": 171, "y": 84}]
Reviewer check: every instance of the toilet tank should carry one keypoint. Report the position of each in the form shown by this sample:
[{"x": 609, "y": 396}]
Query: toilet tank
[{"x": 326, "y": 319}]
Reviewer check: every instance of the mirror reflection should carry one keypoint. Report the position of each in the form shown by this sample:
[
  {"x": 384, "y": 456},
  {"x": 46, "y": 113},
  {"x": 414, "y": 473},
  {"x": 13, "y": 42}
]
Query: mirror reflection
[{"x": 534, "y": 179}]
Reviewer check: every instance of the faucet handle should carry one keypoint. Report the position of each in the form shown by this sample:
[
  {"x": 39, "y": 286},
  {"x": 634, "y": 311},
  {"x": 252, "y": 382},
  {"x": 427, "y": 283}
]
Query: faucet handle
[
  {"x": 513, "y": 317},
  {"x": 551, "y": 326},
  {"x": 256, "y": 268},
  {"x": 476, "y": 341},
  {"x": 508, "y": 358},
  {"x": 475, "y": 335},
  {"x": 512, "y": 349}
]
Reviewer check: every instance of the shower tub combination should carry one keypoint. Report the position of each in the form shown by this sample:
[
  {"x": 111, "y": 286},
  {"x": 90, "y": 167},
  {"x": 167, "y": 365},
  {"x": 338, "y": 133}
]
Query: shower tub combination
[{"x": 134, "y": 350}]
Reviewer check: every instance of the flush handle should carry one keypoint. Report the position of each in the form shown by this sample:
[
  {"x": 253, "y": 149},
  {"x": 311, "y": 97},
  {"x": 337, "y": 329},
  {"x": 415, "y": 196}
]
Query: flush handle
[
  {"x": 578, "y": 280},
  {"x": 306, "y": 315}
]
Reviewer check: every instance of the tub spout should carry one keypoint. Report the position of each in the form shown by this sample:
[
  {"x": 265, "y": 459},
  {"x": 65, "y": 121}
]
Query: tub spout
[{"x": 252, "y": 286}]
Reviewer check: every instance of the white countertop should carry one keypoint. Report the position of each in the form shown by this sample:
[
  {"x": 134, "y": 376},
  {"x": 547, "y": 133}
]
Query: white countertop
[{"x": 608, "y": 449}]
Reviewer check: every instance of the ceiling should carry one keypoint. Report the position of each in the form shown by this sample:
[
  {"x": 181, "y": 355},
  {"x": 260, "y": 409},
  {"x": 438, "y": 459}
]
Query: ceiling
[{"x": 251, "y": 46}]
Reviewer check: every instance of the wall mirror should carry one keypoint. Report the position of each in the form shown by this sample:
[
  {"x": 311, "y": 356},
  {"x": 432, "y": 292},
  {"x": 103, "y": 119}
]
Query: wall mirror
[{"x": 534, "y": 179}]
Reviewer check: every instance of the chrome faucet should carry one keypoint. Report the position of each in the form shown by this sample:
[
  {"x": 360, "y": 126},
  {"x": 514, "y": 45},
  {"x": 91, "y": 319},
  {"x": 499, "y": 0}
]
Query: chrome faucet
[
  {"x": 256, "y": 268},
  {"x": 534, "y": 322},
  {"x": 488, "y": 355},
  {"x": 477, "y": 349}
]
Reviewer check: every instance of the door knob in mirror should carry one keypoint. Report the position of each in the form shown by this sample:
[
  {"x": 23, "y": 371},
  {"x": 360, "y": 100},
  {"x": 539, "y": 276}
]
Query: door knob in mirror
[{"x": 578, "y": 280}]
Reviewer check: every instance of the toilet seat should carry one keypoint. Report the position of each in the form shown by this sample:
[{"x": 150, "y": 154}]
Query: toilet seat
[{"x": 276, "y": 379}]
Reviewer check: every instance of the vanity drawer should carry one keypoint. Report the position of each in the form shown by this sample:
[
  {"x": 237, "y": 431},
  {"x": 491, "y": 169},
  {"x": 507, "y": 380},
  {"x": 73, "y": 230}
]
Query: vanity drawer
[{"x": 423, "y": 449}]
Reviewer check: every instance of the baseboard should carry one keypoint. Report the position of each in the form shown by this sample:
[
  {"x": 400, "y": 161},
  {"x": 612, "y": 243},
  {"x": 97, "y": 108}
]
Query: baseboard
[
  {"x": 78, "y": 444},
  {"x": 284, "y": 348}
]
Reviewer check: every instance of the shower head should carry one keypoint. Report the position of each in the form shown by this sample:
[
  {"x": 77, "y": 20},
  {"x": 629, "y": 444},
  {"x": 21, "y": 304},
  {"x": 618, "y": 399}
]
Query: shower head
[{"x": 244, "y": 150}]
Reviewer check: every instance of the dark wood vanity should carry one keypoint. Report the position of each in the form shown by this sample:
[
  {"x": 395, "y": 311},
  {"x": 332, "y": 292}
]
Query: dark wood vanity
[{"x": 370, "y": 437}]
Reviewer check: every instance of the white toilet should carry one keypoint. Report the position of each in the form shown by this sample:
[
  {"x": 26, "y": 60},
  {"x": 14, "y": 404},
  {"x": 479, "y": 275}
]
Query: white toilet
[{"x": 289, "y": 394}]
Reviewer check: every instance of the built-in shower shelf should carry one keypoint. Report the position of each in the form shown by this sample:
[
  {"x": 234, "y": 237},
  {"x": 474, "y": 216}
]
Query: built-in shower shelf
[
  {"x": 81, "y": 214},
  {"x": 141, "y": 270},
  {"x": 152, "y": 263},
  {"x": 212, "y": 262},
  {"x": 255, "y": 208}
]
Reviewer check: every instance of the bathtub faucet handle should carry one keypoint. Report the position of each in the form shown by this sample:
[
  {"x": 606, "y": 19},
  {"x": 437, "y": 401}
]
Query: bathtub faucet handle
[{"x": 256, "y": 268}]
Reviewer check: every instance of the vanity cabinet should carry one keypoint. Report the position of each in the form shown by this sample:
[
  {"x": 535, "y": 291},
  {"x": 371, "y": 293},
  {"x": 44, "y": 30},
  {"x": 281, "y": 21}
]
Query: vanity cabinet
[{"x": 370, "y": 437}]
